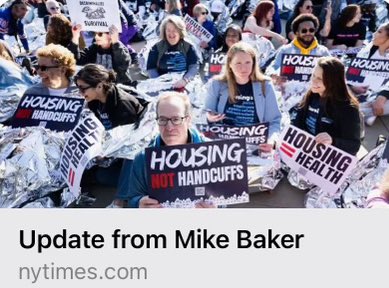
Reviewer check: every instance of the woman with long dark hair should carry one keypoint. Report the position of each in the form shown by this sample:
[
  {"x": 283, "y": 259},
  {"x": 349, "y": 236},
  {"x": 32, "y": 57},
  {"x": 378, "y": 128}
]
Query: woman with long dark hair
[
  {"x": 348, "y": 31},
  {"x": 329, "y": 111}
]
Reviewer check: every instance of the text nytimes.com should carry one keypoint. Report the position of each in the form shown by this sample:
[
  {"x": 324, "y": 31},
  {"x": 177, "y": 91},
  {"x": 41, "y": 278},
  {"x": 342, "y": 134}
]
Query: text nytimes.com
[{"x": 47, "y": 272}]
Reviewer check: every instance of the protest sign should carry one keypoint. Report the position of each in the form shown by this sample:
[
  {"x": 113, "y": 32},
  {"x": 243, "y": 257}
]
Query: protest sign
[
  {"x": 324, "y": 165},
  {"x": 58, "y": 113},
  {"x": 180, "y": 175},
  {"x": 298, "y": 67},
  {"x": 368, "y": 72},
  {"x": 255, "y": 134},
  {"x": 96, "y": 16},
  {"x": 216, "y": 62},
  {"x": 82, "y": 145},
  {"x": 195, "y": 28}
]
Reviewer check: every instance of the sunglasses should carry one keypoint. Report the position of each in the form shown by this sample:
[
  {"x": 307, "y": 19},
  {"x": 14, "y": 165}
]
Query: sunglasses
[
  {"x": 83, "y": 89},
  {"x": 204, "y": 13},
  {"x": 44, "y": 68},
  {"x": 54, "y": 8},
  {"x": 310, "y": 30},
  {"x": 309, "y": 7},
  {"x": 99, "y": 34}
]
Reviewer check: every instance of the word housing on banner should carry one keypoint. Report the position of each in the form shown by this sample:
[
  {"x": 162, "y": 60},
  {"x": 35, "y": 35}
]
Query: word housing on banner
[
  {"x": 197, "y": 30},
  {"x": 324, "y": 165},
  {"x": 57, "y": 113},
  {"x": 298, "y": 67},
  {"x": 181, "y": 175},
  {"x": 96, "y": 16},
  {"x": 216, "y": 62},
  {"x": 83, "y": 144},
  {"x": 368, "y": 72}
]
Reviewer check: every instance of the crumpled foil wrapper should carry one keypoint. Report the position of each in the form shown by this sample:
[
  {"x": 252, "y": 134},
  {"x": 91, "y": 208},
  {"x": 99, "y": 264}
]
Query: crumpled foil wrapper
[
  {"x": 9, "y": 100},
  {"x": 154, "y": 86},
  {"x": 265, "y": 171},
  {"x": 299, "y": 181},
  {"x": 264, "y": 48},
  {"x": 29, "y": 164},
  {"x": 128, "y": 140},
  {"x": 45, "y": 202},
  {"x": 353, "y": 192}
]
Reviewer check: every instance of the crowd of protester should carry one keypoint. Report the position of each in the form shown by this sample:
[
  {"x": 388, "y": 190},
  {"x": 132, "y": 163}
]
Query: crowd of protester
[{"x": 240, "y": 95}]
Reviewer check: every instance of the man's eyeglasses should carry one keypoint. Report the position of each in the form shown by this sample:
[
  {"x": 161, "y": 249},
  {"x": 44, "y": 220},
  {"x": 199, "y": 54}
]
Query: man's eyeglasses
[
  {"x": 44, "y": 68},
  {"x": 83, "y": 89},
  {"x": 305, "y": 31},
  {"x": 162, "y": 121}
]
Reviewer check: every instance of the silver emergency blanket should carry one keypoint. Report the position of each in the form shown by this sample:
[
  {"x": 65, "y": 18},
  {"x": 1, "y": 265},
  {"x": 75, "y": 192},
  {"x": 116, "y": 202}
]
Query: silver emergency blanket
[
  {"x": 9, "y": 100},
  {"x": 263, "y": 46},
  {"x": 223, "y": 20},
  {"x": 29, "y": 162},
  {"x": 353, "y": 192}
]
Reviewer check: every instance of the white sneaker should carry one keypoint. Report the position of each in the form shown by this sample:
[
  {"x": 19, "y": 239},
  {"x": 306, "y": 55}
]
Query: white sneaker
[{"x": 369, "y": 121}]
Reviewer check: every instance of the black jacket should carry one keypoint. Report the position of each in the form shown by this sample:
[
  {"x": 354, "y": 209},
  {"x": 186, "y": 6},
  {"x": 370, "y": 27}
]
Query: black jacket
[
  {"x": 117, "y": 57},
  {"x": 122, "y": 108},
  {"x": 340, "y": 121}
]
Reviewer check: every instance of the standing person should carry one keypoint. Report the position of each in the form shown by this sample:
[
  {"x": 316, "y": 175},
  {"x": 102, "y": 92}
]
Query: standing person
[
  {"x": 174, "y": 122},
  {"x": 243, "y": 95},
  {"x": 377, "y": 49},
  {"x": 172, "y": 53},
  {"x": 329, "y": 111},
  {"x": 107, "y": 51},
  {"x": 253, "y": 23},
  {"x": 348, "y": 31},
  {"x": 113, "y": 106},
  {"x": 11, "y": 22},
  {"x": 200, "y": 13},
  {"x": 305, "y": 42}
]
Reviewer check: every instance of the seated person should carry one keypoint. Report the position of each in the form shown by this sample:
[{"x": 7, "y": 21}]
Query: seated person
[
  {"x": 243, "y": 95},
  {"x": 174, "y": 122},
  {"x": 233, "y": 35},
  {"x": 348, "y": 31},
  {"x": 329, "y": 111},
  {"x": 172, "y": 53},
  {"x": 107, "y": 51},
  {"x": 200, "y": 13}
]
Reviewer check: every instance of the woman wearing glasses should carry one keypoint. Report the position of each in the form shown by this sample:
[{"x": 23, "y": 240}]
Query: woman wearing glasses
[
  {"x": 56, "y": 66},
  {"x": 243, "y": 95},
  {"x": 329, "y": 111},
  {"x": 172, "y": 53},
  {"x": 113, "y": 106},
  {"x": 200, "y": 13},
  {"x": 107, "y": 51}
]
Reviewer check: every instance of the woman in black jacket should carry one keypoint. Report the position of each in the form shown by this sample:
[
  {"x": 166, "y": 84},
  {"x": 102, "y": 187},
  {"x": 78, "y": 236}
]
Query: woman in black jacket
[
  {"x": 329, "y": 111},
  {"x": 111, "y": 104}
]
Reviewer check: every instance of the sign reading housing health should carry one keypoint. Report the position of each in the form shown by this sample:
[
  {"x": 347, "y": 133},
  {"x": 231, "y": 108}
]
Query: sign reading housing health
[
  {"x": 58, "y": 113},
  {"x": 298, "y": 67},
  {"x": 324, "y": 165},
  {"x": 197, "y": 30},
  {"x": 368, "y": 72},
  {"x": 181, "y": 175},
  {"x": 82, "y": 145},
  {"x": 95, "y": 15}
]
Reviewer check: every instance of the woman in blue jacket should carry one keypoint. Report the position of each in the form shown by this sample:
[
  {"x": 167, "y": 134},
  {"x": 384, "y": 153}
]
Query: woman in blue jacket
[
  {"x": 200, "y": 13},
  {"x": 243, "y": 95}
]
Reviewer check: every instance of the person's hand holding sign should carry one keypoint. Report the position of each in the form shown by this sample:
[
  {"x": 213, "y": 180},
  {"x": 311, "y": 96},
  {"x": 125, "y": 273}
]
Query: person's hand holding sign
[
  {"x": 378, "y": 105},
  {"x": 146, "y": 202},
  {"x": 215, "y": 117},
  {"x": 114, "y": 33},
  {"x": 76, "y": 31},
  {"x": 324, "y": 138},
  {"x": 203, "y": 44}
]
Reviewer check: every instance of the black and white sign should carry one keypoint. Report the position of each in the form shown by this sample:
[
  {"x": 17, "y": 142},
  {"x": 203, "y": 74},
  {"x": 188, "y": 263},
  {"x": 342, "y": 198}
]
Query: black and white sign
[
  {"x": 216, "y": 63},
  {"x": 298, "y": 67},
  {"x": 216, "y": 171},
  {"x": 195, "y": 28},
  {"x": 58, "y": 113}
]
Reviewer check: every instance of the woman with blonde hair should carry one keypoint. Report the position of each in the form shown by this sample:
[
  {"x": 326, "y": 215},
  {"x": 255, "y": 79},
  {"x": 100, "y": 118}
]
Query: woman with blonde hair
[
  {"x": 242, "y": 95},
  {"x": 172, "y": 53}
]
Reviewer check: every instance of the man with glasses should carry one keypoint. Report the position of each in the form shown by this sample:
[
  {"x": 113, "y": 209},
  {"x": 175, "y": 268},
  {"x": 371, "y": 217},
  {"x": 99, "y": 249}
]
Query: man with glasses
[
  {"x": 305, "y": 42},
  {"x": 11, "y": 24},
  {"x": 174, "y": 122}
]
